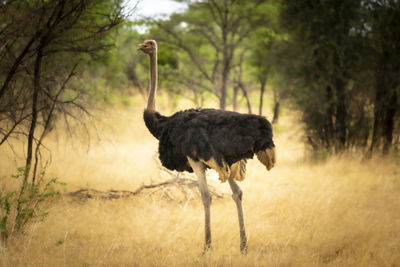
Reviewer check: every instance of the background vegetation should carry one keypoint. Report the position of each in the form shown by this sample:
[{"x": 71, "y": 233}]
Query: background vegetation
[{"x": 72, "y": 89}]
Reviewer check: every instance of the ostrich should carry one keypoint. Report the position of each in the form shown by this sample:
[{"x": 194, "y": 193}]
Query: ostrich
[{"x": 196, "y": 139}]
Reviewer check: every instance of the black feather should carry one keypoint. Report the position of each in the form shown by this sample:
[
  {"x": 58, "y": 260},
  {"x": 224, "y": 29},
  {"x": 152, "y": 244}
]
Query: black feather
[
  {"x": 204, "y": 133},
  {"x": 154, "y": 122}
]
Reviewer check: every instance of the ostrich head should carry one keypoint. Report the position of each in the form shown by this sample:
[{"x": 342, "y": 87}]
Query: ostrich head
[{"x": 148, "y": 46}]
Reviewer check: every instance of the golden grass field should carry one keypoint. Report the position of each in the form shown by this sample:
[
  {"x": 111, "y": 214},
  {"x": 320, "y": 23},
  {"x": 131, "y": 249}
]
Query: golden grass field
[{"x": 341, "y": 212}]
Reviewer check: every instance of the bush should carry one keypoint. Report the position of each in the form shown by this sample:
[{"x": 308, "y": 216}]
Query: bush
[{"x": 22, "y": 205}]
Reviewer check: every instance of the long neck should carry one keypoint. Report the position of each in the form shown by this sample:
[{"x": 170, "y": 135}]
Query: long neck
[{"x": 151, "y": 102}]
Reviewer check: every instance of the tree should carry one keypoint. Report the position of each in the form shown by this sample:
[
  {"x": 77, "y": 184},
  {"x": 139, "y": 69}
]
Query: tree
[
  {"x": 210, "y": 33},
  {"x": 262, "y": 42},
  {"x": 345, "y": 71},
  {"x": 385, "y": 41},
  {"x": 324, "y": 36},
  {"x": 42, "y": 44}
]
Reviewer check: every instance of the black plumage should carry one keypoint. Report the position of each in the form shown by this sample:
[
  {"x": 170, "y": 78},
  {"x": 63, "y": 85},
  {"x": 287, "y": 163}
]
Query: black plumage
[{"x": 204, "y": 133}]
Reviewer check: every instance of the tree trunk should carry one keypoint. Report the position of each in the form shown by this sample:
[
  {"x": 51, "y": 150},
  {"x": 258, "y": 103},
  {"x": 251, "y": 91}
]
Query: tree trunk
[
  {"x": 225, "y": 72},
  {"x": 241, "y": 85},
  {"x": 226, "y": 62},
  {"x": 262, "y": 89},
  {"x": 384, "y": 110},
  {"x": 329, "y": 128},
  {"x": 377, "y": 121},
  {"x": 14, "y": 67},
  {"x": 36, "y": 88},
  {"x": 341, "y": 114},
  {"x": 235, "y": 93},
  {"x": 388, "y": 123},
  {"x": 277, "y": 103},
  {"x": 276, "y": 112},
  {"x": 133, "y": 77}
]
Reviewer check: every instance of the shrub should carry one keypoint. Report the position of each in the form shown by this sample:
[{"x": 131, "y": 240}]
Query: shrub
[{"x": 22, "y": 205}]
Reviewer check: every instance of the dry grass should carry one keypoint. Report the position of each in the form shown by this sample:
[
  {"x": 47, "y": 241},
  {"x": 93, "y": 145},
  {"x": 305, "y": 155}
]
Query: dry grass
[{"x": 343, "y": 212}]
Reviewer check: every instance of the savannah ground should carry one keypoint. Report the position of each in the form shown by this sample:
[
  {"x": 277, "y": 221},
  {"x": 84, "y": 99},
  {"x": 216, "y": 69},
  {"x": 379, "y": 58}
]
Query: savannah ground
[{"x": 344, "y": 211}]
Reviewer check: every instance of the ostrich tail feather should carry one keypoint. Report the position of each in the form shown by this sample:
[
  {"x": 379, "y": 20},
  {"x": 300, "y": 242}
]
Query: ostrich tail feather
[{"x": 267, "y": 157}]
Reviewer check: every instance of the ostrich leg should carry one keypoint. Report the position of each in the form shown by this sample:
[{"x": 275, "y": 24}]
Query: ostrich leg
[
  {"x": 200, "y": 171},
  {"x": 237, "y": 197}
]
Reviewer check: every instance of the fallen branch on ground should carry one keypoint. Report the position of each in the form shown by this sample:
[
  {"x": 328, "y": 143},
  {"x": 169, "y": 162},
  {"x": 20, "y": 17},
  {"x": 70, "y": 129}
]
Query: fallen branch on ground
[{"x": 173, "y": 189}]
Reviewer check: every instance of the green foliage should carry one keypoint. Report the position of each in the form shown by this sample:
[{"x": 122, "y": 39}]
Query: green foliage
[
  {"x": 46, "y": 48},
  {"x": 330, "y": 63},
  {"x": 119, "y": 71},
  {"x": 207, "y": 42},
  {"x": 5, "y": 208},
  {"x": 336, "y": 61},
  {"x": 19, "y": 207}
]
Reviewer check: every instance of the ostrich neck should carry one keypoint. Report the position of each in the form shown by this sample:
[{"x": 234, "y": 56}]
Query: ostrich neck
[{"x": 151, "y": 102}]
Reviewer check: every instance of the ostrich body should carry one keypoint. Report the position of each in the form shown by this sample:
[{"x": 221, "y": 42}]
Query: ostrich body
[{"x": 196, "y": 139}]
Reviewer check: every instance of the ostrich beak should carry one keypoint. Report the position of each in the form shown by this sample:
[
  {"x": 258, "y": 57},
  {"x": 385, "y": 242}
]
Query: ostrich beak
[{"x": 141, "y": 46}]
